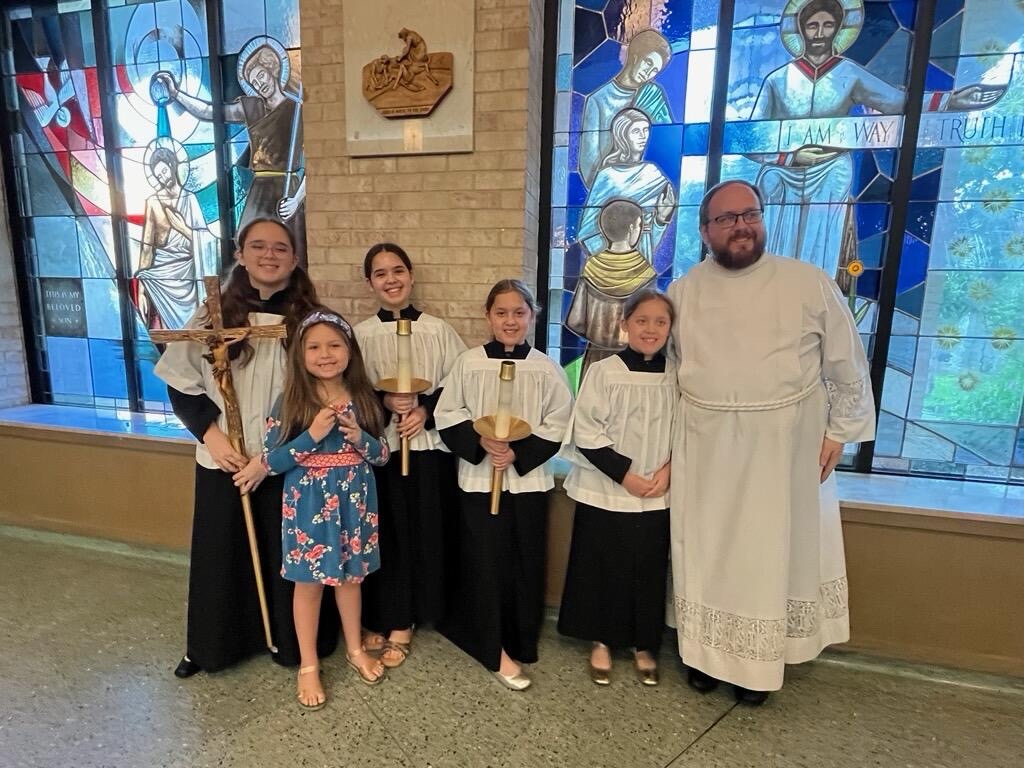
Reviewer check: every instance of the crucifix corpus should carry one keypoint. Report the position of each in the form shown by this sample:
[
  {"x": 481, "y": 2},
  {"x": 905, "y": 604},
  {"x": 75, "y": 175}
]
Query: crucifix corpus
[{"x": 217, "y": 339}]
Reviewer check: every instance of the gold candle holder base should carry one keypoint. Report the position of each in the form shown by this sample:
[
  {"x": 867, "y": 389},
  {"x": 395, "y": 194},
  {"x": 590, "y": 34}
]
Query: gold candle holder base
[
  {"x": 390, "y": 385},
  {"x": 518, "y": 429}
]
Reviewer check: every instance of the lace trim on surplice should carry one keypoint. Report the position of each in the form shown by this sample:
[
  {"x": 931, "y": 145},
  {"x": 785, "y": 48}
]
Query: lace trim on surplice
[
  {"x": 761, "y": 639},
  {"x": 847, "y": 400}
]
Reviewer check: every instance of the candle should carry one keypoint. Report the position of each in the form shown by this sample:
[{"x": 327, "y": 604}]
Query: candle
[
  {"x": 404, "y": 355},
  {"x": 503, "y": 417}
]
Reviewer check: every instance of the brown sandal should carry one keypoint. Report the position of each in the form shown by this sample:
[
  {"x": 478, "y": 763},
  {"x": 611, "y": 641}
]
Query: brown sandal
[
  {"x": 366, "y": 677},
  {"x": 323, "y": 700},
  {"x": 403, "y": 650}
]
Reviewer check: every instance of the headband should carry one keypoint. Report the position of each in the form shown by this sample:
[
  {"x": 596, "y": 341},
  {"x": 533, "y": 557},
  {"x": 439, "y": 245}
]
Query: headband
[{"x": 326, "y": 317}]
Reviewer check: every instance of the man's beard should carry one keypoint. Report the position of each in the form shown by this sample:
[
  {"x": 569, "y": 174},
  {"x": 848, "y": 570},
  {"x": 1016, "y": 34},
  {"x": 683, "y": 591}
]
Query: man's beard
[{"x": 736, "y": 261}]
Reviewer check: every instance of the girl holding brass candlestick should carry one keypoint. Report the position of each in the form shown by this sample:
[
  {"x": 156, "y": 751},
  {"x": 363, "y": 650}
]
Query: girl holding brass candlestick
[
  {"x": 620, "y": 443},
  {"x": 498, "y": 602},
  {"x": 408, "y": 354}
]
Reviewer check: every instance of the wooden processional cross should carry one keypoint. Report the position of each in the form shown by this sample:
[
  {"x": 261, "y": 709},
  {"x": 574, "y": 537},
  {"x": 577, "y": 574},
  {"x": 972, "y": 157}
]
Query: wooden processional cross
[{"x": 217, "y": 339}]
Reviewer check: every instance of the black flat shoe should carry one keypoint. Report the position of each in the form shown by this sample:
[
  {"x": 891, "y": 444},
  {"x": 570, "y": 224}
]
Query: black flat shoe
[
  {"x": 747, "y": 696},
  {"x": 186, "y": 668},
  {"x": 700, "y": 682}
]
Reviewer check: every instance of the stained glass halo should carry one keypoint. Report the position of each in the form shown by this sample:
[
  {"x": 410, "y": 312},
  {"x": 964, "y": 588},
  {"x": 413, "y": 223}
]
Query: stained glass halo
[
  {"x": 789, "y": 28},
  {"x": 179, "y": 152},
  {"x": 249, "y": 49}
]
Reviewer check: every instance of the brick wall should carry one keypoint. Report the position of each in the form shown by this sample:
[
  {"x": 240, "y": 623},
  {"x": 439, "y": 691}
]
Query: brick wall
[
  {"x": 13, "y": 370},
  {"x": 466, "y": 220}
]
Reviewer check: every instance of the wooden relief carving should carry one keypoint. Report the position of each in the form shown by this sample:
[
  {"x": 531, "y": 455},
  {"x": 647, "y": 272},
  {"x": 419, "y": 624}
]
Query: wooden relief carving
[{"x": 410, "y": 84}]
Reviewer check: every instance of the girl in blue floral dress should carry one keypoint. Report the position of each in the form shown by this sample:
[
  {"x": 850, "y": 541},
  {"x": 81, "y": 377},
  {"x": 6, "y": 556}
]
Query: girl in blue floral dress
[{"x": 322, "y": 435}]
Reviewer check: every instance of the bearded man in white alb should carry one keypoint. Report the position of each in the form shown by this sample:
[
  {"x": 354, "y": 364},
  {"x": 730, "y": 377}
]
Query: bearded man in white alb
[{"x": 773, "y": 381}]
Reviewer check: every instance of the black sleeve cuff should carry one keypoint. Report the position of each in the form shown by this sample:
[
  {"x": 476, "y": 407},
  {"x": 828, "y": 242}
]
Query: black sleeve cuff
[
  {"x": 464, "y": 442},
  {"x": 196, "y": 412},
  {"x": 533, "y": 451},
  {"x": 429, "y": 403},
  {"x": 609, "y": 461}
]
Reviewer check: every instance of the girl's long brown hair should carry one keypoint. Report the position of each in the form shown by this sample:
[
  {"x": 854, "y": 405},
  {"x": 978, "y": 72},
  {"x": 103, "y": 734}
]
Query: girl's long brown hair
[
  {"x": 238, "y": 299},
  {"x": 301, "y": 401}
]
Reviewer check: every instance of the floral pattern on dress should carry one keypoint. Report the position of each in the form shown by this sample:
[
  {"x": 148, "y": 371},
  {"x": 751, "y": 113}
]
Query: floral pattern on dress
[{"x": 328, "y": 513}]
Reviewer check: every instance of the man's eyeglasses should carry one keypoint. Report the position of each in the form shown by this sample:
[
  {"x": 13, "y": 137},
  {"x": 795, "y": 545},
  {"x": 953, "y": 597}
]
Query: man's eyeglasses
[
  {"x": 258, "y": 247},
  {"x": 727, "y": 220}
]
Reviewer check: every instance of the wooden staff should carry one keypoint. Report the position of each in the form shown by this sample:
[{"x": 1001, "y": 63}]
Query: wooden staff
[
  {"x": 217, "y": 339},
  {"x": 502, "y": 426},
  {"x": 404, "y": 383}
]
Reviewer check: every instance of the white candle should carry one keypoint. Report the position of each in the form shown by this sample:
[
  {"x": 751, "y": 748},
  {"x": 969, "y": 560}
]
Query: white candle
[
  {"x": 503, "y": 417},
  {"x": 404, "y": 354}
]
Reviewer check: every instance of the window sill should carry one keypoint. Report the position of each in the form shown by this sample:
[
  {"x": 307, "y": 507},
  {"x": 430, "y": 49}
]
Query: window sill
[{"x": 97, "y": 426}]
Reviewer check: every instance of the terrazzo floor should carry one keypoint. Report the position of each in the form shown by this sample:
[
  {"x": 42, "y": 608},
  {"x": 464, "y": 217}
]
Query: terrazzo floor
[{"x": 90, "y": 633}]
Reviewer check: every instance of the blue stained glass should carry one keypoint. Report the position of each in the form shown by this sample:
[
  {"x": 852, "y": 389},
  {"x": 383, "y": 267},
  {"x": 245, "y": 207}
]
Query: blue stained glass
[
  {"x": 879, "y": 191},
  {"x": 673, "y": 81},
  {"x": 573, "y": 145},
  {"x": 598, "y": 69},
  {"x": 576, "y": 193},
  {"x": 879, "y": 26},
  {"x": 911, "y": 301},
  {"x": 593, "y": 5},
  {"x": 913, "y": 264},
  {"x": 926, "y": 187},
  {"x": 946, "y": 39},
  {"x": 868, "y": 282},
  {"x": 751, "y": 138},
  {"x": 283, "y": 21},
  {"x": 871, "y": 219},
  {"x": 993, "y": 444},
  {"x": 920, "y": 218},
  {"x": 560, "y": 177},
  {"x": 48, "y": 188},
  {"x": 108, "y": 372},
  {"x": 118, "y": 20},
  {"x": 705, "y": 24},
  {"x": 678, "y": 24},
  {"x": 152, "y": 388},
  {"x": 87, "y": 42},
  {"x": 937, "y": 80},
  {"x": 889, "y": 435},
  {"x": 891, "y": 63},
  {"x": 558, "y": 230},
  {"x": 886, "y": 161},
  {"x": 664, "y": 150},
  {"x": 562, "y": 109},
  {"x": 68, "y": 363},
  {"x": 563, "y": 72},
  {"x": 1018, "y": 453},
  {"x": 565, "y": 13},
  {"x": 576, "y": 115},
  {"x": 928, "y": 160},
  {"x": 946, "y": 9},
  {"x": 209, "y": 203},
  {"x": 96, "y": 246},
  {"x": 56, "y": 244},
  {"x": 695, "y": 139},
  {"x": 904, "y": 11},
  {"x": 589, "y": 33},
  {"x": 241, "y": 20},
  {"x": 102, "y": 308},
  {"x": 866, "y": 171},
  {"x": 870, "y": 250},
  {"x": 896, "y": 394},
  {"x": 902, "y": 352}
]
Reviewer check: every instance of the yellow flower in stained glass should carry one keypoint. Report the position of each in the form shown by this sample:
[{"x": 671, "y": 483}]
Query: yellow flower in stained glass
[
  {"x": 855, "y": 268},
  {"x": 980, "y": 290},
  {"x": 948, "y": 336},
  {"x": 968, "y": 381},
  {"x": 961, "y": 247},
  {"x": 1003, "y": 337},
  {"x": 1014, "y": 246},
  {"x": 996, "y": 201}
]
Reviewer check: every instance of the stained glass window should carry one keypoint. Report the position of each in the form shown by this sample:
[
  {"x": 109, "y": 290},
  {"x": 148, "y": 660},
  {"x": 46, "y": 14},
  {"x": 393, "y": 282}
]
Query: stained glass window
[
  {"x": 120, "y": 228},
  {"x": 811, "y": 105}
]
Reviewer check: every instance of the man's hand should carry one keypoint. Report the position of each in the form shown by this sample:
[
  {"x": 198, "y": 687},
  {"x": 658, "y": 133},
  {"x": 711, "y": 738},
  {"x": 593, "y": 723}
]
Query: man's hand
[
  {"x": 400, "y": 404},
  {"x": 411, "y": 424},
  {"x": 831, "y": 453}
]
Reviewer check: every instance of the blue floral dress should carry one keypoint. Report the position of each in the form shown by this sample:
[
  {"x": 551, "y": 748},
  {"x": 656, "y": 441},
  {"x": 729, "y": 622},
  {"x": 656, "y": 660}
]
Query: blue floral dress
[{"x": 329, "y": 510}]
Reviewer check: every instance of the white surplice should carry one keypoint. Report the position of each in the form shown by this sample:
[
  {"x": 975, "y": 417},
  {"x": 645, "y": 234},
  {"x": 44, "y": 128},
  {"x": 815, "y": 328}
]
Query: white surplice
[
  {"x": 540, "y": 397},
  {"x": 771, "y": 363},
  {"x": 258, "y": 382},
  {"x": 630, "y": 412},
  {"x": 435, "y": 347}
]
